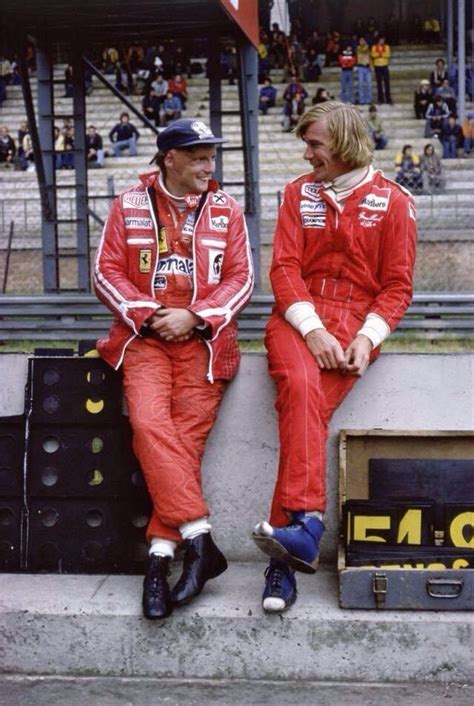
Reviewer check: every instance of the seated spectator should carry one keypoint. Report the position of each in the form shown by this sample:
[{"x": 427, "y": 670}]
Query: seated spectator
[
  {"x": 407, "y": 168},
  {"x": 110, "y": 57},
  {"x": 375, "y": 126},
  {"x": 160, "y": 86},
  {"x": 68, "y": 84},
  {"x": 277, "y": 50},
  {"x": 179, "y": 88},
  {"x": 422, "y": 99},
  {"x": 7, "y": 148},
  {"x": 347, "y": 62},
  {"x": 448, "y": 95},
  {"x": 316, "y": 42},
  {"x": 364, "y": 73},
  {"x": 431, "y": 170},
  {"x": 171, "y": 108},
  {"x": 438, "y": 75},
  {"x": 451, "y": 138},
  {"x": 135, "y": 57},
  {"x": 436, "y": 115},
  {"x": 468, "y": 134},
  {"x": 267, "y": 96},
  {"x": 293, "y": 103},
  {"x": 322, "y": 95},
  {"x": 95, "y": 148},
  {"x": 311, "y": 67},
  {"x": 151, "y": 105},
  {"x": 124, "y": 135},
  {"x": 180, "y": 63}
]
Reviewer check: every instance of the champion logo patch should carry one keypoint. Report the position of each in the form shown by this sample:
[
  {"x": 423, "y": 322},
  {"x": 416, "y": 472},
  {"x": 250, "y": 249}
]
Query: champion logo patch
[
  {"x": 313, "y": 221},
  {"x": 219, "y": 217},
  {"x": 138, "y": 200},
  {"x": 138, "y": 222},
  {"x": 377, "y": 200}
]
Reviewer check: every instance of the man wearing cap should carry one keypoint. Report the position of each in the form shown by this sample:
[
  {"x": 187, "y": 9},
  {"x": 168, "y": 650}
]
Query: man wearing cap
[{"x": 174, "y": 265}]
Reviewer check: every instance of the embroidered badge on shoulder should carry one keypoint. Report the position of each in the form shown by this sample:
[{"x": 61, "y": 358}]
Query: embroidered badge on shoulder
[{"x": 144, "y": 261}]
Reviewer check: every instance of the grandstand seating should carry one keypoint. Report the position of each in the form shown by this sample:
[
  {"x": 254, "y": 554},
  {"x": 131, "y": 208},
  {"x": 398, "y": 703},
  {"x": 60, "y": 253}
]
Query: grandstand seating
[{"x": 442, "y": 218}]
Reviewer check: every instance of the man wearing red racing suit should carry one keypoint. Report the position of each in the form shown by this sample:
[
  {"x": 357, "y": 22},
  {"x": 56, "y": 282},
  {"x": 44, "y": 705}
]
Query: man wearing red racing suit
[
  {"x": 174, "y": 265},
  {"x": 342, "y": 275}
]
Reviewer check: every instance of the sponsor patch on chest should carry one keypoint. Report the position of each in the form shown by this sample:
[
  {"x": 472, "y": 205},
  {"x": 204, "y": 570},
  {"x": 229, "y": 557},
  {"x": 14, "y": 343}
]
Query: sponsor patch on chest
[
  {"x": 376, "y": 200},
  {"x": 310, "y": 191},
  {"x": 144, "y": 261},
  {"x": 219, "y": 199},
  {"x": 176, "y": 265},
  {"x": 313, "y": 206},
  {"x": 219, "y": 217},
  {"x": 313, "y": 221},
  {"x": 369, "y": 220},
  {"x": 138, "y": 200},
  {"x": 138, "y": 223}
]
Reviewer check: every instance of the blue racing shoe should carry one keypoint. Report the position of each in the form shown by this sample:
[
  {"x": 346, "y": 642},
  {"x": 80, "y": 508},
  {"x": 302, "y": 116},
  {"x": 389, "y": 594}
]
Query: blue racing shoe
[
  {"x": 297, "y": 544},
  {"x": 280, "y": 587}
]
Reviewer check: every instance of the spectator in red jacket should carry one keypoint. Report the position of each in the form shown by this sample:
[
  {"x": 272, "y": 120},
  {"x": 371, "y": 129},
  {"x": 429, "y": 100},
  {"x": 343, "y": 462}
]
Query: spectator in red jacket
[
  {"x": 347, "y": 62},
  {"x": 179, "y": 88}
]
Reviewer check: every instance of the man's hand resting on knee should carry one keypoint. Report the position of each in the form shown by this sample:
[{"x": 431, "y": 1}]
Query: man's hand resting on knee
[
  {"x": 357, "y": 355},
  {"x": 326, "y": 349}
]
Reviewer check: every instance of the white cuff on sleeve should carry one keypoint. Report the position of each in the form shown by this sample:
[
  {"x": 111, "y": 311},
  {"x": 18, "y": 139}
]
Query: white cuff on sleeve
[
  {"x": 303, "y": 317},
  {"x": 375, "y": 328}
]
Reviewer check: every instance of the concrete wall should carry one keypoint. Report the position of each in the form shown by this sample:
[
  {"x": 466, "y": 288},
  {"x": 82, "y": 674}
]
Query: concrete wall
[{"x": 400, "y": 391}]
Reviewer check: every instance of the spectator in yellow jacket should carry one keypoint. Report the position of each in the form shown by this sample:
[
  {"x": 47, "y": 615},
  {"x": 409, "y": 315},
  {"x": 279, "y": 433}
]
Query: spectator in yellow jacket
[{"x": 380, "y": 53}]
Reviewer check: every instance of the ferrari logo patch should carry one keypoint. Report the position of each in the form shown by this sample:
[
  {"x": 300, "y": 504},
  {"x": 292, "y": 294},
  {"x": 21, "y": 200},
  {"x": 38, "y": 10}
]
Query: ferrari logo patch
[{"x": 144, "y": 261}]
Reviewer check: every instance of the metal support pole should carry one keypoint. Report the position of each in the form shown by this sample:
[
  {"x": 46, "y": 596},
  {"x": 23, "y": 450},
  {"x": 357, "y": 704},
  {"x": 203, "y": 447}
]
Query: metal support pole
[
  {"x": 80, "y": 165},
  {"x": 49, "y": 231},
  {"x": 248, "y": 90},
  {"x": 215, "y": 102},
  {"x": 120, "y": 96},
  {"x": 450, "y": 32},
  {"x": 461, "y": 60}
]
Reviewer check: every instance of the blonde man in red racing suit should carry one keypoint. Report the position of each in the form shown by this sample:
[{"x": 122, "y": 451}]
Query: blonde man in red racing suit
[
  {"x": 342, "y": 276},
  {"x": 174, "y": 265}
]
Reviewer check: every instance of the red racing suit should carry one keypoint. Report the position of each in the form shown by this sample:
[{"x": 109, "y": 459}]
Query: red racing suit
[
  {"x": 348, "y": 261},
  {"x": 206, "y": 268}
]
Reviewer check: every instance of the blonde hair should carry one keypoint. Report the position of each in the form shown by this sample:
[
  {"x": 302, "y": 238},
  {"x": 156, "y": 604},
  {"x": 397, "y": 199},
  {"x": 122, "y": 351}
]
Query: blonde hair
[{"x": 349, "y": 138}]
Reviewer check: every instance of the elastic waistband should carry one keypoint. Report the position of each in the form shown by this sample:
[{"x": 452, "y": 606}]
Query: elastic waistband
[{"x": 340, "y": 290}]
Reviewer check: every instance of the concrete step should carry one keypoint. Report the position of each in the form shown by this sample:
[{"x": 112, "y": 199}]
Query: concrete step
[
  {"x": 92, "y": 625},
  {"x": 28, "y": 690}
]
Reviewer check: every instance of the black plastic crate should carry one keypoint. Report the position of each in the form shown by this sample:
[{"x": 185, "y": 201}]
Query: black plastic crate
[
  {"x": 74, "y": 391},
  {"x": 12, "y": 451},
  {"x": 10, "y": 533},
  {"x": 83, "y": 461},
  {"x": 87, "y": 536}
]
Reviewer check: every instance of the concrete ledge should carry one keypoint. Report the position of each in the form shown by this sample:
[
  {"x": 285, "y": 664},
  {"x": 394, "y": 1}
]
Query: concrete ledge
[
  {"x": 92, "y": 625},
  {"x": 399, "y": 391}
]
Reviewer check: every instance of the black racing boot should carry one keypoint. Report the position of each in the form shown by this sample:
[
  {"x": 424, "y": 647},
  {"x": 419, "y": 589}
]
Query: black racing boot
[
  {"x": 202, "y": 561},
  {"x": 156, "y": 591}
]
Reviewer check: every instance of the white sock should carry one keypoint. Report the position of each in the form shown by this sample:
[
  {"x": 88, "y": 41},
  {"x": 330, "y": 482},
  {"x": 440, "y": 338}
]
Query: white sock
[
  {"x": 264, "y": 528},
  {"x": 162, "y": 547},
  {"x": 190, "y": 530}
]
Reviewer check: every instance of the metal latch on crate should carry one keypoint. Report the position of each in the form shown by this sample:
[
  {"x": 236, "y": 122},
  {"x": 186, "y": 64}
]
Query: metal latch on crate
[{"x": 379, "y": 588}]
